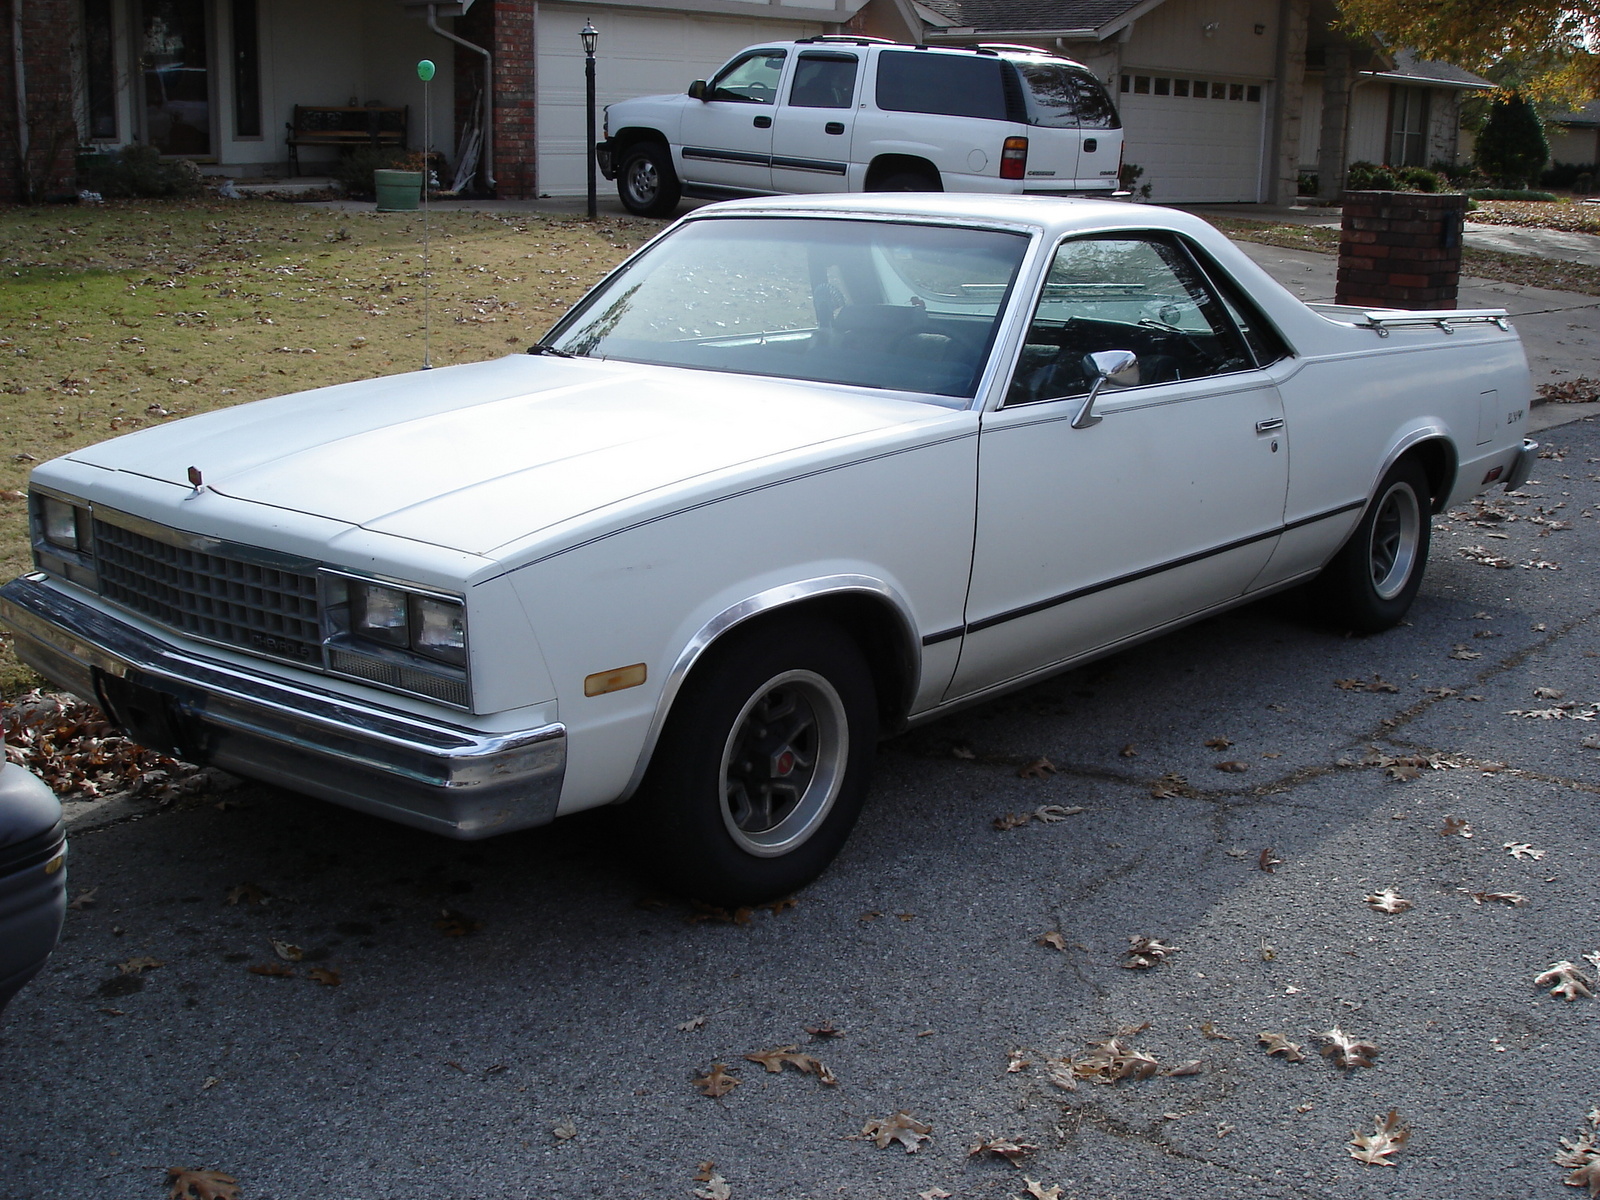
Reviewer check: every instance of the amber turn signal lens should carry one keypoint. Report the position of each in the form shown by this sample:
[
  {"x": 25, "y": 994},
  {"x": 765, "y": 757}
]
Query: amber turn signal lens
[{"x": 615, "y": 680}]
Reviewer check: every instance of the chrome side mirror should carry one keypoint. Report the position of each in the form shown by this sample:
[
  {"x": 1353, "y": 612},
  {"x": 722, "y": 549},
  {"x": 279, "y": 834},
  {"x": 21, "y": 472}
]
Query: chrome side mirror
[
  {"x": 697, "y": 90},
  {"x": 1117, "y": 367}
]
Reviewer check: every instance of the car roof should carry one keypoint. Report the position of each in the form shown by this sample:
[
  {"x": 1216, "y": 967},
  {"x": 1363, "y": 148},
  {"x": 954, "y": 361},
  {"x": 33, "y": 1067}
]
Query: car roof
[{"x": 1051, "y": 215}]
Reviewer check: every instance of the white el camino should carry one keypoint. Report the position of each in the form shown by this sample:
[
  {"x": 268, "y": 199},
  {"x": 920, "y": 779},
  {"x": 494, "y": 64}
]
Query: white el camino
[{"x": 800, "y": 473}]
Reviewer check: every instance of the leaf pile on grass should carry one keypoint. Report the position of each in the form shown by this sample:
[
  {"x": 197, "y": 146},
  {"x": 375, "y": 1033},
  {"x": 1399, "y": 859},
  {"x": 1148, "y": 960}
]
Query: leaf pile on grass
[
  {"x": 71, "y": 746},
  {"x": 1531, "y": 214}
]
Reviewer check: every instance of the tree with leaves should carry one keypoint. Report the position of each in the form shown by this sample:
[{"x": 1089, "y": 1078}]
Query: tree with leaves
[
  {"x": 1477, "y": 34},
  {"x": 1511, "y": 147}
]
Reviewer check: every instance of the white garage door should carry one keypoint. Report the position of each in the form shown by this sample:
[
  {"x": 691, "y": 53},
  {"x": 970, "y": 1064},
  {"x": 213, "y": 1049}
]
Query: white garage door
[
  {"x": 1198, "y": 140},
  {"x": 638, "y": 54}
]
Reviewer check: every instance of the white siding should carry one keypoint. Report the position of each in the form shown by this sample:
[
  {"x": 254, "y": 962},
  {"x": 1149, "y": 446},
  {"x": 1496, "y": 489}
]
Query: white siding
[
  {"x": 639, "y": 54},
  {"x": 1174, "y": 36}
]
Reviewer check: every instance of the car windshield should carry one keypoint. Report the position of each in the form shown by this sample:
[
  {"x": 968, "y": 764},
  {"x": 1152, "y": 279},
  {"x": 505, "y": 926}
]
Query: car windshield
[{"x": 876, "y": 304}]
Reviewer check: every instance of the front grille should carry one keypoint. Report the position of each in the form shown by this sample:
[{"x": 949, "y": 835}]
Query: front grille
[{"x": 219, "y": 597}]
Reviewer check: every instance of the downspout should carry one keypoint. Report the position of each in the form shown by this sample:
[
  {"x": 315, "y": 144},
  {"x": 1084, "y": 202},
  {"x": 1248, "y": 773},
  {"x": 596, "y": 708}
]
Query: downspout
[
  {"x": 19, "y": 76},
  {"x": 488, "y": 91}
]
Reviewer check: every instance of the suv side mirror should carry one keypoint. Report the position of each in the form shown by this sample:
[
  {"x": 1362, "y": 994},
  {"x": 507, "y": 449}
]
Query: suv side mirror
[{"x": 697, "y": 89}]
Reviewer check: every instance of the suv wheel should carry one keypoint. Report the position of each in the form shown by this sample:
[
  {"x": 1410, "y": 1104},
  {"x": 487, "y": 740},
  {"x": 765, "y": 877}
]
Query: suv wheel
[
  {"x": 646, "y": 183},
  {"x": 907, "y": 181}
]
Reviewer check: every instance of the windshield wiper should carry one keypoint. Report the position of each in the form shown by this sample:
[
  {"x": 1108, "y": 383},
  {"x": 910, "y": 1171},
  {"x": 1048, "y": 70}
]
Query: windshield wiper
[{"x": 541, "y": 348}]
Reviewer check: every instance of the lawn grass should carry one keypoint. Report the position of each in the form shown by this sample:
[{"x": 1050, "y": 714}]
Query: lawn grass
[{"x": 121, "y": 315}]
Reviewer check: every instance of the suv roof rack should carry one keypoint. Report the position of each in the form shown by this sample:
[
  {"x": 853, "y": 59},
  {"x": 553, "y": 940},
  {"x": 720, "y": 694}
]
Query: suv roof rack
[
  {"x": 1016, "y": 48},
  {"x": 848, "y": 39},
  {"x": 992, "y": 53}
]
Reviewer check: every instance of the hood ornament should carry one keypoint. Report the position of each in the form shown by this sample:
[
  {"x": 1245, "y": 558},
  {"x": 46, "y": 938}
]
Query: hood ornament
[{"x": 196, "y": 479}]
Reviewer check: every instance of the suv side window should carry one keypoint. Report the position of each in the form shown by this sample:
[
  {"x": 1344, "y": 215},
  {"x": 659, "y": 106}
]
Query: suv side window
[
  {"x": 1062, "y": 97},
  {"x": 823, "y": 81},
  {"x": 1138, "y": 292},
  {"x": 752, "y": 79},
  {"x": 913, "y": 81}
]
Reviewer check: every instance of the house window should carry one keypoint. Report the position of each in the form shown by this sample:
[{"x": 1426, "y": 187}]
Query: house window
[
  {"x": 1408, "y": 127},
  {"x": 1163, "y": 85},
  {"x": 99, "y": 70},
  {"x": 1180, "y": 87},
  {"x": 246, "y": 71}
]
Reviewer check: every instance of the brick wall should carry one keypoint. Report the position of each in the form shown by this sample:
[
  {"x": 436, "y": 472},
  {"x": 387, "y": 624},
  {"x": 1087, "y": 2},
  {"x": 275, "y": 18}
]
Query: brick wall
[
  {"x": 49, "y": 40},
  {"x": 1400, "y": 250},
  {"x": 514, "y": 116}
]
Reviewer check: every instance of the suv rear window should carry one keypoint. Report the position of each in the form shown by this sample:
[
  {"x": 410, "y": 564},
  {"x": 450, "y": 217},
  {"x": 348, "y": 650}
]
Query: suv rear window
[
  {"x": 1062, "y": 97},
  {"x": 912, "y": 81}
]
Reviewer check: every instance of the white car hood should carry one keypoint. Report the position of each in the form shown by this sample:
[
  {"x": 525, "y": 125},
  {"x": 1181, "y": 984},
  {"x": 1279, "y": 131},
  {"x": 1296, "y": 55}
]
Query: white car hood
[{"x": 477, "y": 456}]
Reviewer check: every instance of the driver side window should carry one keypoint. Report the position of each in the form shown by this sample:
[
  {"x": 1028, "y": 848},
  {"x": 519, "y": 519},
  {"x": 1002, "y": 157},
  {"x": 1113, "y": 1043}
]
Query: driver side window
[
  {"x": 752, "y": 79},
  {"x": 1141, "y": 293}
]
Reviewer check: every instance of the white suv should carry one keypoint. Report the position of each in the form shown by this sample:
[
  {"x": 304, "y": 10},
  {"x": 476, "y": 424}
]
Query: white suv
[{"x": 852, "y": 114}]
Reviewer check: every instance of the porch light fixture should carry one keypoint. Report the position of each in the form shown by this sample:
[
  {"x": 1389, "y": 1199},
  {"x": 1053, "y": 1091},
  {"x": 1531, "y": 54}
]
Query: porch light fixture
[{"x": 590, "y": 36}]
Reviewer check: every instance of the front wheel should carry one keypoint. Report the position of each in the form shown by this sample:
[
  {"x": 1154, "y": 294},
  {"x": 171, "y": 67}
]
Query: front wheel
[
  {"x": 646, "y": 183},
  {"x": 1372, "y": 581},
  {"x": 762, "y": 766}
]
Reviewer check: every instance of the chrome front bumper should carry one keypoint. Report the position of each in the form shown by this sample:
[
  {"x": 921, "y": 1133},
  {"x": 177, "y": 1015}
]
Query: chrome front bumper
[{"x": 462, "y": 783}]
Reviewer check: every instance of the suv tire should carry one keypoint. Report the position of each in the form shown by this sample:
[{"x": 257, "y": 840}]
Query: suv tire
[
  {"x": 646, "y": 183},
  {"x": 907, "y": 181}
]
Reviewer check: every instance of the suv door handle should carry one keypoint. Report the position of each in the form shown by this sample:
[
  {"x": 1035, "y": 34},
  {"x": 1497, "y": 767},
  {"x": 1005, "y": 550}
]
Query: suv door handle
[
  {"x": 762, "y": 122},
  {"x": 833, "y": 127}
]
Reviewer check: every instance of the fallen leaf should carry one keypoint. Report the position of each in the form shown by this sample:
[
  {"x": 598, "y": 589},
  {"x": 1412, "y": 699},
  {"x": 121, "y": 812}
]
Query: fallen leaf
[
  {"x": 246, "y": 893},
  {"x": 456, "y": 924},
  {"x": 277, "y": 970},
  {"x": 1345, "y": 1051},
  {"x": 1193, "y": 1067},
  {"x": 1565, "y": 980},
  {"x": 1011, "y": 821},
  {"x": 1049, "y": 814},
  {"x": 1514, "y": 899},
  {"x": 716, "y": 1082},
  {"x": 1209, "y": 1030},
  {"x": 1521, "y": 851},
  {"x": 1548, "y": 693},
  {"x": 1459, "y": 826},
  {"x": 200, "y": 1185},
  {"x": 287, "y": 951},
  {"x": 1169, "y": 787},
  {"x": 963, "y": 752},
  {"x": 1129, "y": 751},
  {"x": 935, "y": 1194},
  {"x": 84, "y": 900},
  {"x": 825, "y": 1030},
  {"x": 716, "y": 1186},
  {"x": 902, "y": 1127},
  {"x": 564, "y": 1130},
  {"x": 1218, "y": 743},
  {"x": 137, "y": 966},
  {"x": 1276, "y": 1043},
  {"x": 1581, "y": 1156},
  {"x": 1388, "y": 901},
  {"x": 1059, "y": 1071},
  {"x": 1145, "y": 952},
  {"x": 787, "y": 1056},
  {"x": 1233, "y": 766},
  {"x": 325, "y": 976},
  {"x": 1465, "y": 655},
  {"x": 1266, "y": 862},
  {"x": 691, "y": 1024},
  {"x": 1376, "y": 684},
  {"x": 1378, "y": 1147},
  {"x": 1034, "y": 1189},
  {"x": 1005, "y": 1148},
  {"x": 1039, "y": 768},
  {"x": 1016, "y": 1061}
]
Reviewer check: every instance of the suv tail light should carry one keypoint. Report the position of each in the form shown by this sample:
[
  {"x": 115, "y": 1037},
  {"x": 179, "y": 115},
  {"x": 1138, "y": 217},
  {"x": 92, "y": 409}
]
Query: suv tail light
[{"x": 1014, "y": 158}]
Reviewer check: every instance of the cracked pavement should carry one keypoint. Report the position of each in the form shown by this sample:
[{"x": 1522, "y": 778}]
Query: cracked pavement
[{"x": 440, "y": 1065}]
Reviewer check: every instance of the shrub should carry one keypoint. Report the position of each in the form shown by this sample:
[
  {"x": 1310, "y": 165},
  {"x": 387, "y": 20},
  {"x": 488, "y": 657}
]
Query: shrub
[
  {"x": 137, "y": 171},
  {"x": 355, "y": 167},
  {"x": 1509, "y": 194},
  {"x": 1308, "y": 183},
  {"x": 1512, "y": 147},
  {"x": 1584, "y": 183},
  {"x": 1419, "y": 179},
  {"x": 1370, "y": 177},
  {"x": 1566, "y": 175}
]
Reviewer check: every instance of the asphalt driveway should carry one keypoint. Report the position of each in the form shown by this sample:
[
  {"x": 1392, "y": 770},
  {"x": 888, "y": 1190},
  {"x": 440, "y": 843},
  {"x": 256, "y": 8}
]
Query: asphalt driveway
[{"x": 457, "y": 1009}]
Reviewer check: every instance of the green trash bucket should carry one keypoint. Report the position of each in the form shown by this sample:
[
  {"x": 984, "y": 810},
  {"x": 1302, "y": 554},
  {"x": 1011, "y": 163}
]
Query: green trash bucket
[{"x": 398, "y": 191}]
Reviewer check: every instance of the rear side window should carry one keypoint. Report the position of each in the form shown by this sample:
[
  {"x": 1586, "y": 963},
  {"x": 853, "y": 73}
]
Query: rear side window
[
  {"x": 909, "y": 81},
  {"x": 1063, "y": 97},
  {"x": 823, "y": 81}
]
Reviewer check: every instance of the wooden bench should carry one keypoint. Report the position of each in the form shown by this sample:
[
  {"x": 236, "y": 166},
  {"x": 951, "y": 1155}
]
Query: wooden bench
[{"x": 345, "y": 126}]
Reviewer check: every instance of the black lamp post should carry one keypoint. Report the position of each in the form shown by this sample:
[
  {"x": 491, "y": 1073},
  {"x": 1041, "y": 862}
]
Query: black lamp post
[{"x": 590, "y": 36}]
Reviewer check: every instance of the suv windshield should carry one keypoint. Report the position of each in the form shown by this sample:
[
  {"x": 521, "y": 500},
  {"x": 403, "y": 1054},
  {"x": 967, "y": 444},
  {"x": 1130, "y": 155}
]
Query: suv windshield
[
  {"x": 1063, "y": 97},
  {"x": 867, "y": 303}
]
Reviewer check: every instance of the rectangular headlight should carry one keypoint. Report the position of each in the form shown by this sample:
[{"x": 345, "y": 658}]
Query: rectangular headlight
[
  {"x": 60, "y": 523},
  {"x": 380, "y": 613},
  {"x": 438, "y": 630}
]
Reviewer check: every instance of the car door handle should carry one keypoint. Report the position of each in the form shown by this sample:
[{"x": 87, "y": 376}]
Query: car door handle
[
  {"x": 1270, "y": 426},
  {"x": 762, "y": 122},
  {"x": 833, "y": 127}
]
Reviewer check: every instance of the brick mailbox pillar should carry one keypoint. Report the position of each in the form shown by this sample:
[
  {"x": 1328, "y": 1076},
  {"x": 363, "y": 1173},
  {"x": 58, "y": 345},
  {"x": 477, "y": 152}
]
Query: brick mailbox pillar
[{"x": 1400, "y": 250}]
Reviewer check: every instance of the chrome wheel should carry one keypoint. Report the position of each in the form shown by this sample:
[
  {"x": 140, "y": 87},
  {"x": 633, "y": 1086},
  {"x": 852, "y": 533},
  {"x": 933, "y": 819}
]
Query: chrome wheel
[
  {"x": 783, "y": 763},
  {"x": 1396, "y": 538}
]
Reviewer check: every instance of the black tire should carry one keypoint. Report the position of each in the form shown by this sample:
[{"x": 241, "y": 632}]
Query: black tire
[
  {"x": 646, "y": 183},
  {"x": 907, "y": 181},
  {"x": 733, "y": 828},
  {"x": 1371, "y": 582}
]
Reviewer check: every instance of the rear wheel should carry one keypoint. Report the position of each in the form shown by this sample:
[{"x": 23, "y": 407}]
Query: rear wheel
[
  {"x": 1372, "y": 581},
  {"x": 646, "y": 183},
  {"x": 907, "y": 181},
  {"x": 762, "y": 767}
]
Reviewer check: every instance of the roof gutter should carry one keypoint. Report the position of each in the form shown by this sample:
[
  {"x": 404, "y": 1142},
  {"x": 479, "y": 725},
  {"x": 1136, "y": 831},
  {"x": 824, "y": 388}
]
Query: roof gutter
[
  {"x": 488, "y": 92},
  {"x": 1424, "y": 81}
]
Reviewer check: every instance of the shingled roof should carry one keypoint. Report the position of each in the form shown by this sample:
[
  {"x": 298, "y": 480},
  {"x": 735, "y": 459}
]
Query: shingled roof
[{"x": 1042, "y": 15}]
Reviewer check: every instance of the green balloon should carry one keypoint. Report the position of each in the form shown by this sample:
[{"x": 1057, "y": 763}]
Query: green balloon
[{"x": 425, "y": 70}]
